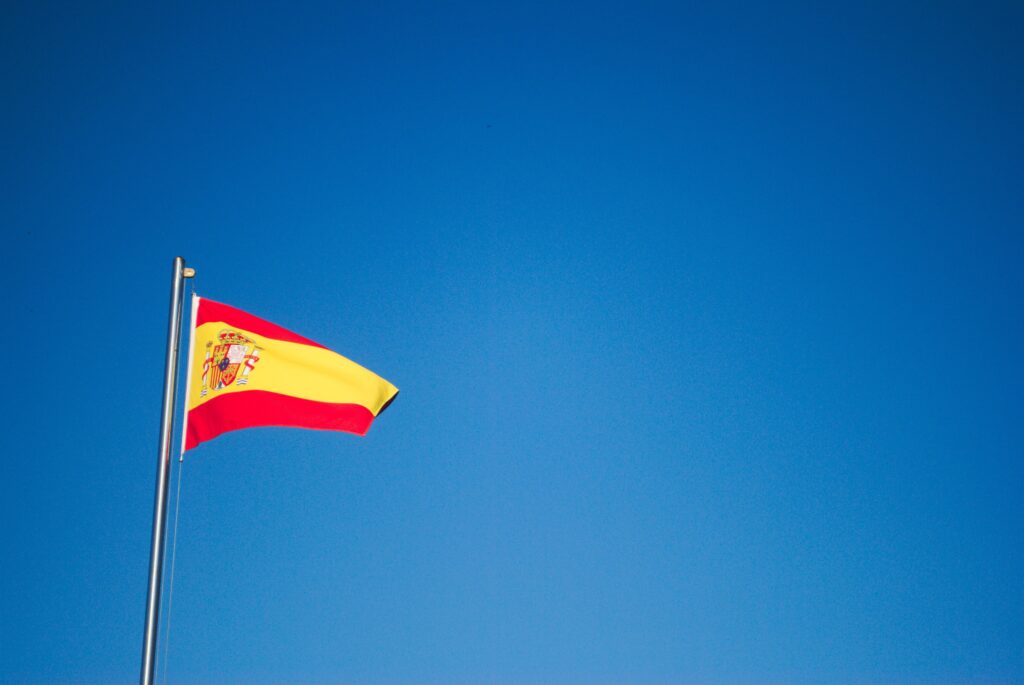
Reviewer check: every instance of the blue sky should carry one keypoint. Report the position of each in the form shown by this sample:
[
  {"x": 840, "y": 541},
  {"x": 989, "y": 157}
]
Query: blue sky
[{"x": 706, "y": 320}]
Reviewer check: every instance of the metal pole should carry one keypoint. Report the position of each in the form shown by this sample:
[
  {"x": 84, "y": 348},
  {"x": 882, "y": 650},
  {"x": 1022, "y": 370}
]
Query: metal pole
[{"x": 156, "y": 554}]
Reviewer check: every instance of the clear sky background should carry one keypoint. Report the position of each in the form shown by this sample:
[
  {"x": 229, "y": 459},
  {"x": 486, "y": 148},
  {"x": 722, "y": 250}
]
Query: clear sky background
[{"x": 707, "y": 321}]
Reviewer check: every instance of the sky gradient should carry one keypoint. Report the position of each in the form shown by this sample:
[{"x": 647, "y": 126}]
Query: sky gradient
[{"x": 706, "y": 320}]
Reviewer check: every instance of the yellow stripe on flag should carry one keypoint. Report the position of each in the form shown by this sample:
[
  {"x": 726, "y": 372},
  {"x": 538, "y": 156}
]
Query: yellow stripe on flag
[{"x": 294, "y": 369}]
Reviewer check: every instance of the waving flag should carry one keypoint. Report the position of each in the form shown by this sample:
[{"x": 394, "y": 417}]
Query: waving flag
[{"x": 245, "y": 372}]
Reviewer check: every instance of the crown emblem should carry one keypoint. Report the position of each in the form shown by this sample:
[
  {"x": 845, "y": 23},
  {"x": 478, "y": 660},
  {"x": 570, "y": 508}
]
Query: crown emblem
[
  {"x": 230, "y": 360},
  {"x": 233, "y": 338}
]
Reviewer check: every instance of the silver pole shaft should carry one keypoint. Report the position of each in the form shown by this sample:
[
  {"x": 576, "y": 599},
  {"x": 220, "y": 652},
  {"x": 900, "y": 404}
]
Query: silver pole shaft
[{"x": 163, "y": 470}]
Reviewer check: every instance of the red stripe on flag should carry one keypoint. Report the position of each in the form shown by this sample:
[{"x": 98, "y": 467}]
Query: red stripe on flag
[
  {"x": 253, "y": 408},
  {"x": 215, "y": 311}
]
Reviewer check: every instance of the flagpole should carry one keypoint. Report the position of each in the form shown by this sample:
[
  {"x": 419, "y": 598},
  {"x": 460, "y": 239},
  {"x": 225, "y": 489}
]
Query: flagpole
[{"x": 156, "y": 554}]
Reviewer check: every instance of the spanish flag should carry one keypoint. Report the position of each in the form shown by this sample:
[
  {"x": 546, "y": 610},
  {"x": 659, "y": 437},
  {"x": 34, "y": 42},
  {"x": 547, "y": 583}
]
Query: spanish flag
[{"x": 245, "y": 372}]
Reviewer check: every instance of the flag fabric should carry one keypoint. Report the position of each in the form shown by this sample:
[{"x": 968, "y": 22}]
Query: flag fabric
[{"x": 245, "y": 372}]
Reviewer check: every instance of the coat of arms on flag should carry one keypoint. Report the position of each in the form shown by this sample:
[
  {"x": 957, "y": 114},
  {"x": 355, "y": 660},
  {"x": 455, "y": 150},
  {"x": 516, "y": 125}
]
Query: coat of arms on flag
[{"x": 230, "y": 359}]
